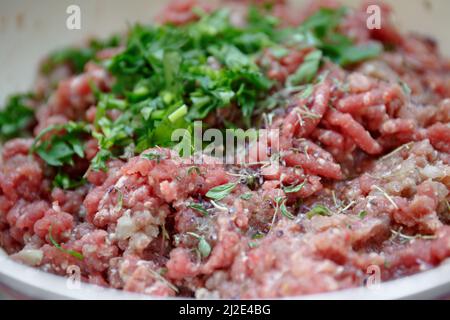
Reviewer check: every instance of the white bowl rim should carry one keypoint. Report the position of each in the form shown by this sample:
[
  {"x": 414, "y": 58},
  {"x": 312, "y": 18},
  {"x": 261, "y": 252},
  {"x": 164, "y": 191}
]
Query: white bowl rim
[{"x": 34, "y": 283}]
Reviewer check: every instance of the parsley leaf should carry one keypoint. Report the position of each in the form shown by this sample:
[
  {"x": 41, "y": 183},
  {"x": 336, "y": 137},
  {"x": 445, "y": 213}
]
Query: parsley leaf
[
  {"x": 65, "y": 143},
  {"x": 64, "y": 181},
  {"x": 77, "y": 57},
  {"x": 16, "y": 117},
  {"x": 308, "y": 69}
]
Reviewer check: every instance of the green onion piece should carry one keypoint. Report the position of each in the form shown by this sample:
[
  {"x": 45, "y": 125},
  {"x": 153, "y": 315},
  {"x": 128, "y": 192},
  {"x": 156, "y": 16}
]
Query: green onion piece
[{"x": 178, "y": 114}]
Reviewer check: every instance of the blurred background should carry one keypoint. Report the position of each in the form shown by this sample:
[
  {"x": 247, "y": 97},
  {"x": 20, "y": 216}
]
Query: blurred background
[{"x": 29, "y": 29}]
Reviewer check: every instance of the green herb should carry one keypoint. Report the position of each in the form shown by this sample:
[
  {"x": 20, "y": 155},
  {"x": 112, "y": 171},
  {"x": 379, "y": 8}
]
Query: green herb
[
  {"x": 307, "y": 92},
  {"x": 258, "y": 235},
  {"x": 194, "y": 170},
  {"x": 154, "y": 156},
  {"x": 353, "y": 54},
  {"x": 167, "y": 77},
  {"x": 294, "y": 189},
  {"x": 66, "y": 142},
  {"x": 321, "y": 31},
  {"x": 285, "y": 212},
  {"x": 203, "y": 246},
  {"x": 165, "y": 67},
  {"x": 199, "y": 208},
  {"x": 73, "y": 253},
  {"x": 362, "y": 214},
  {"x": 280, "y": 203},
  {"x": 406, "y": 89},
  {"x": 220, "y": 192},
  {"x": 307, "y": 70},
  {"x": 253, "y": 244},
  {"x": 99, "y": 161},
  {"x": 63, "y": 181},
  {"x": 278, "y": 200},
  {"x": 16, "y": 117},
  {"x": 246, "y": 196},
  {"x": 77, "y": 57},
  {"x": 318, "y": 210}
]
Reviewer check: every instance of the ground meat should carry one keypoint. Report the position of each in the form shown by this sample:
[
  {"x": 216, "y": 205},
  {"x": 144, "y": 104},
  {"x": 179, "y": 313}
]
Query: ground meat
[{"x": 358, "y": 177}]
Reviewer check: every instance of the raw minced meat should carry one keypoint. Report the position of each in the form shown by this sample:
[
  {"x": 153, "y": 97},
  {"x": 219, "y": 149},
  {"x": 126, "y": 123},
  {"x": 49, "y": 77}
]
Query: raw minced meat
[{"x": 370, "y": 147}]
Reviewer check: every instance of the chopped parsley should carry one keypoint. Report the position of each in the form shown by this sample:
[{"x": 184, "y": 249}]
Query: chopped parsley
[
  {"x": 16, "y": 117},
  {"x": 64, "y": 181},
  {"x": 167, "y": 77},
  {"x": 77, "y": 58},
  {"x": 321, "y": 31},
  {"x": 65, "y": 142}
]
